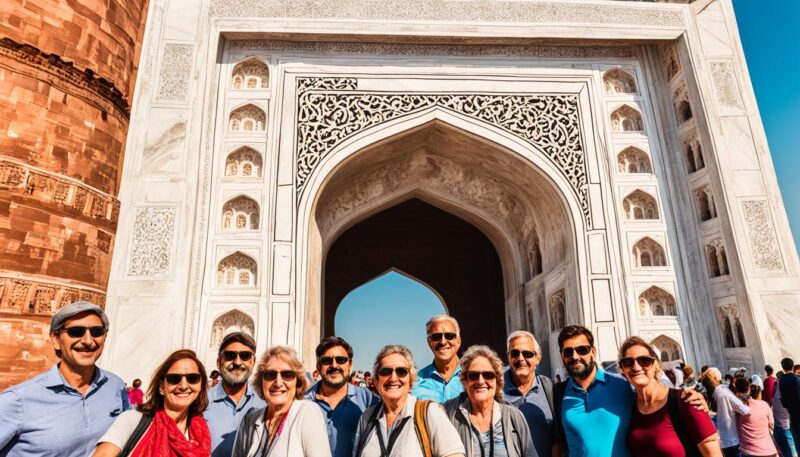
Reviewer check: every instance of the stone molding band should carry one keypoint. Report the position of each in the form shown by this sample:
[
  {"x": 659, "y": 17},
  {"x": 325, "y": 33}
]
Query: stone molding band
[{"x": 32, "y": 297}]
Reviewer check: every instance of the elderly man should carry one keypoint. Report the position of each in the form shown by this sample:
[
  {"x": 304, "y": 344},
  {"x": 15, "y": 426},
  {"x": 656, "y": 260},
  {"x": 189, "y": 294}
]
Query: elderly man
[
  {"x": 531, "y": 393},
  {"x": 728, "y": 406},
  {"x": 341, "y": 402},
  {"x": 64, "y": 411},
  {"x": 439, "y": 381},
  {"x": 230, "y": 400}
]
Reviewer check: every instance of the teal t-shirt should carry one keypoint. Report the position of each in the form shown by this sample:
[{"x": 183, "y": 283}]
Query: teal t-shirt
[{"x": 431, "y": 386}]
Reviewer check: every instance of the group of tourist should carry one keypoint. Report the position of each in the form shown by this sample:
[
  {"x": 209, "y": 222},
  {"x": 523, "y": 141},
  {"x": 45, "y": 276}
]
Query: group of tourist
[{"x": 470, "y": 406}]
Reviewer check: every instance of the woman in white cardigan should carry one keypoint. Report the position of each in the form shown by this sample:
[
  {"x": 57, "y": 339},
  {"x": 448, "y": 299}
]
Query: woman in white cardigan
[{"x": 289, "y": 425}]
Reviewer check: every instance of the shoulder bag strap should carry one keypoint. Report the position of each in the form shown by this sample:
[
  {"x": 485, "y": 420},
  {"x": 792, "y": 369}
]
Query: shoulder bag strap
[
  {"x": 422, "y": 427},
  {"x": 689, "y": 447},
  {"x": 371, "y": 423},
  {"x": 547, "y": 385},
  {"x": 138, "y": 433}
]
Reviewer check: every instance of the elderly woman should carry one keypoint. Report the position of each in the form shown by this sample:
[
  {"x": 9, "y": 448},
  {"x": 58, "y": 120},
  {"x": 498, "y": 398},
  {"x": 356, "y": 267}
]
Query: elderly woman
[
  {"x": 288, "y": 425},
  {"x": 171, "y": 421},
  {"x": 488, "y": 425},
  {"x": 397, "y": 426},
  {"x": 662, "y": 424}
]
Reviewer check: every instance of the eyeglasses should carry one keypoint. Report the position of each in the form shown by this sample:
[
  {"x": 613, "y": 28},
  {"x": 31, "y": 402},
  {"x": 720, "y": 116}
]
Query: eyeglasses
[
  {"x": 473, "y": 376},
  {"x": 386, "y": 372},
  {"x": 78, "y": 331},
  {"x": 174, "y": 379},
  {"x": 514, "y": 353},
  {"x": 230, "y": 356},
  {"x": 328, "y": 360},
  {"x": 286, "y": 375},
  {"x": 581, "y": 350},
  {"x": 644, "y": 361},
  {"x": 436, "y": 337}
]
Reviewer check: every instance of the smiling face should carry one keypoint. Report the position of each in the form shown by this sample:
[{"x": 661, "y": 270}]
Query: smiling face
[
  {"x": 83, "y": 352},
  {"x": 482, "y": 389},
  {"x": 333, "y": 374},
  {"x": 235, "y": 372},
  {"x": 444, "y": 350},
  {"x": 579, "y": 366},
  {"x": 179, "y": 397},
  {"x": 280, "y": 392},
  {"x": 523, "y": 368},
  {"x": 637, "y": 375},
  {"x": 393, "y": 387}
]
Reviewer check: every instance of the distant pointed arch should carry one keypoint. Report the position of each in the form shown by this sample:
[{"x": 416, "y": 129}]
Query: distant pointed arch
[
  {"x": 229, "y": 322},
  {"x": 247, "y": 118},
  {"x": 237, "y": 270},
  {"x": 656, "y": 301},
  {"x": 626, "y": 119},
  {"x": 667, "y": 348},
  {"x": 640, "y": 205},
  {"x": 647, "y": 252},
  {"x": 634, "y": 160},
  {"x": 619, "y": 81},
  {"x": 250, "y": 74}
]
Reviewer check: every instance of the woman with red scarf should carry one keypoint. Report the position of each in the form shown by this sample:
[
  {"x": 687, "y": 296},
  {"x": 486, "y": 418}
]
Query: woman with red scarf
[{"x": 170, "y": 423}]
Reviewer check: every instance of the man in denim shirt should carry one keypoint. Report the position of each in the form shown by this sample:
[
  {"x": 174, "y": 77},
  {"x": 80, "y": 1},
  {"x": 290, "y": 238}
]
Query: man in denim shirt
[{"x": 64, "y": 411}]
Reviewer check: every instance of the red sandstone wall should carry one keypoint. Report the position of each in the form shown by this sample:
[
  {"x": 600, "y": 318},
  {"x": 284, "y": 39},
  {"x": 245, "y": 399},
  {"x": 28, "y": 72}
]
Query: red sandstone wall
[{"x": 67, "y": 71}]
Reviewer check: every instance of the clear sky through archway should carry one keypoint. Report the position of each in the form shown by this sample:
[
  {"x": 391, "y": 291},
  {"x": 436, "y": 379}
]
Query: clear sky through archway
[{"x": 389, "y": 309}]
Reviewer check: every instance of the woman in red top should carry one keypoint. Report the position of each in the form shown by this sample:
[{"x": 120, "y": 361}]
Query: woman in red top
[{"x": 662, "y": 425}]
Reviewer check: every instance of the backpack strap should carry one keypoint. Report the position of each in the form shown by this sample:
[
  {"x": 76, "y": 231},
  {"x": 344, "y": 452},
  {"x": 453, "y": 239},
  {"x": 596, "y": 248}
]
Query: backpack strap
[
  {"x": 673, "y": 405},
  {"x": 559, "y": 390},
  {"x": 547, "y": 385},
  {"x": 138, "y": 433},
  {"x": 371, "y": 423},
  {"x": 422, "y": 427}
]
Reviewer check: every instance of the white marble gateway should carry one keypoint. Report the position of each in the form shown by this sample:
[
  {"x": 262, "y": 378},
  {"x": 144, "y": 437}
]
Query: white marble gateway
[{"x": 611, "y": 151}]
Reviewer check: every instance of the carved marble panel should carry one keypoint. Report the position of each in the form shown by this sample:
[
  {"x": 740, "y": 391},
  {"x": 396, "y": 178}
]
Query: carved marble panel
[
  {"x": 764, "y": 245},
  {"x": 153, "y": 231},
  {"x": 725, "y": 85},
  {"x": 175, "y": 74}
]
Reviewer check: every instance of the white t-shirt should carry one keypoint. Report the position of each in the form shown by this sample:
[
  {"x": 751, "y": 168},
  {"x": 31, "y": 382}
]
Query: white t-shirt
[
  {"x": 444, "y": 437},
  {"x": 122, "y": 428}
]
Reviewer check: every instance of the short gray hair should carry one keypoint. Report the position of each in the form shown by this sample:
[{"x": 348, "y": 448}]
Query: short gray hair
[
  {"x": 439, "y": 318},
  {"x": 472, "y": 353},
  {"x": 391, "y": 349},
  {"x": 523, "y": 334}
]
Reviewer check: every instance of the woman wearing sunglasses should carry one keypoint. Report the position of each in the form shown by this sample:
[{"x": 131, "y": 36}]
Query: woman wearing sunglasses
[
  {"x": 488, "y": 425},
  {"x": 391, "y": 429},
  {"x": 288, "y": 425},
  {"x": 170, "y": 421},
  {"x": 662, "y": 425}
]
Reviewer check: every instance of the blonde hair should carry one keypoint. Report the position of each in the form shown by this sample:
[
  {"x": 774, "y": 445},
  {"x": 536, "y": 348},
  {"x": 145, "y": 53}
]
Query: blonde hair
[
  {"x": 288, "y": 355},
  {"x": 472, "y": 353}
]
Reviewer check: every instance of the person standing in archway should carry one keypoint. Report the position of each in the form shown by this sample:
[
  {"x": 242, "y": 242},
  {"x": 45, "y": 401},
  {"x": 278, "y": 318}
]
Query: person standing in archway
[{"x": 439, "y": 381}]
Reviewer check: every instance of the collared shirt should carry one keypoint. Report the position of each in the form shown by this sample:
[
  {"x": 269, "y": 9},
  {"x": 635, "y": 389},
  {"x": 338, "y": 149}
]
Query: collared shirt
[
  {"x": 223, "y": 417},
  {"x": 536, "y": 409},
  {"x": 431, "y": 385},
  {"x": 728, "y": 406},
  {"x": 342, "y": 421},
  {"x": 596, "y": 420},
  {"x": 46, "y": 416}
]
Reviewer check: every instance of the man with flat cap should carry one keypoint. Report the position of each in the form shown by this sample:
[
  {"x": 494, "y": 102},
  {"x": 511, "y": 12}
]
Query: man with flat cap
[{"x": 64, "y": 411}]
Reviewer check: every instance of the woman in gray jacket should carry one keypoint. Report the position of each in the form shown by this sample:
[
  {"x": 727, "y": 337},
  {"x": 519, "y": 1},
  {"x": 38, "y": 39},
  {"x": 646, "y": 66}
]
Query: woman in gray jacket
[{"x": 488, "y": 426}]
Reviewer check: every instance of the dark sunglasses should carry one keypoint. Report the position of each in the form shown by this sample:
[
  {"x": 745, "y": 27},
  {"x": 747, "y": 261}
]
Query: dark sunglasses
[
  {"x": 644, "y": 361},
  {"x": 78, "y": 332},
  {"x": 581, "y": 350},
  {"x": 328, "y": 360},
  {"x": 514, "y": 353},
  {"x": 436, "y": 337},
  {"x": 386, "y": 372},
  {"x": 230, "y": 356},
  {"x": 475, "y": 375},
  {"x": 174, "y": 379},
  {"x": 271, "y": 375}
]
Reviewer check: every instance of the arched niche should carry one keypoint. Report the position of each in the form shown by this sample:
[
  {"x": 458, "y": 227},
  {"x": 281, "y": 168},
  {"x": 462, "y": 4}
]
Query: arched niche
[
  {"x": 250, "y": 74},
  {"x": 656, "y": 301},
  {"x": 717, "y": 259},
  {"x": 237, "y": 270},
  {"x": 557, "y": 308},
  {"x": 684, "y": 111},
  {"x": 705, "y": 204},
  {"x": 648, "y": 253},
  {"x": 667, "y": 348},
  {"x": 633, "y": 160},
  {"x": 626, "y": 119},
  {"x": 640, "y": 205},
  {"x": 618, "y": 81},
  {"x": 247, "y": 118},
  {"x": 229, "y": 322},
  {"x": 244, "y": 162},
  {"x": 240, "y": 213}
]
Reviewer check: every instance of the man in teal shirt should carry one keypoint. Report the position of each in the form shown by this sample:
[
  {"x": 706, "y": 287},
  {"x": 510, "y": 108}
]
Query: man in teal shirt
[{"x": 439, "y": 381}]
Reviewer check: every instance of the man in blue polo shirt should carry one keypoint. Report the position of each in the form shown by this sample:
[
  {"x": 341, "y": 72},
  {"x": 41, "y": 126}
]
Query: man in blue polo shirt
[
  {"x": 341, "y": 403},
  {"x": 439, "y": 381}
]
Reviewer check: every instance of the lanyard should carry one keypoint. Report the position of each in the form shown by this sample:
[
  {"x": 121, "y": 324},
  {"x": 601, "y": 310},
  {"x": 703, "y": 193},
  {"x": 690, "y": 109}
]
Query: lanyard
[
  {"x": 386, "y": 451},
  {"x": 270, "y": 443},
  {"x": 491, "y": 440}
]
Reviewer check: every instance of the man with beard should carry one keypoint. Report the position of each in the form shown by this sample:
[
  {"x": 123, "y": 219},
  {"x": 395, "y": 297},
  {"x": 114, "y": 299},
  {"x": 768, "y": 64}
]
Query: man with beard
[
  {"x": 439, "y": 381},
  {"x": 230, "y": 400},
  {"x": 64, "y": 411},
  {"x": 594, "y": 408},
  {"x": 341, "y": 402},
  {"x": 531, "y": 393}
]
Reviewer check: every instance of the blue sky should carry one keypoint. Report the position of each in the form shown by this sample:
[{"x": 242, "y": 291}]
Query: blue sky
[{"x": 770, "y": 33}]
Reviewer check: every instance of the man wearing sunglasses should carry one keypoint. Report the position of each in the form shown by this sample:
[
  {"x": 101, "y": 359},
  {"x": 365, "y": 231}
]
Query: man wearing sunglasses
[
  {"x": 341, "y": 402},
  {"x": 532, "y": 394},
  {"x": 439, "y": 381},
  {"x": 65, "y": 410},
  {"x": 230, "y": 400}
]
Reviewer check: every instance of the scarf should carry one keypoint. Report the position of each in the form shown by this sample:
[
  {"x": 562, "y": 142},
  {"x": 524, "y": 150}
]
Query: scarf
[{"x": 164, "y": 439}]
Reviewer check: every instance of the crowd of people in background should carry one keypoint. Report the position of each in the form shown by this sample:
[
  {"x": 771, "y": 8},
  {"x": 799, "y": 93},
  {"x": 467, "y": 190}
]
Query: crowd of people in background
[{"x": 478, "y": 404}]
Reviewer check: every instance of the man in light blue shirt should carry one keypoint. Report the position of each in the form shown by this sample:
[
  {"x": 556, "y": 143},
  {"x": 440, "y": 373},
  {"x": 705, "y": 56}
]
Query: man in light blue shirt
[
  {"x": 231, "y": 399},
  {"x": 439, "y": 381},
  {"x": 64, "y": 411},
  {"x": 342, "y": 403}
]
